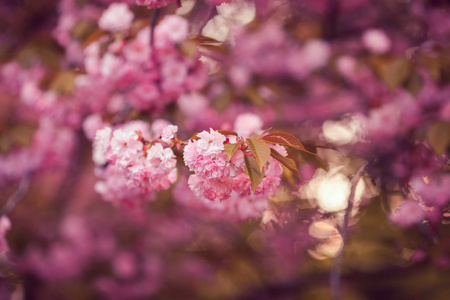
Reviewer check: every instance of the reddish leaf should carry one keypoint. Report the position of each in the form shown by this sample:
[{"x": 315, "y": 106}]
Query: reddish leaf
[
  {"x": 285, "y": 139},
  {"x": 227, "y": 132},
  {"x": 285, "y": 161},
  {"x": 264, "y": 133},
  {"x": 202, "y": 39}
]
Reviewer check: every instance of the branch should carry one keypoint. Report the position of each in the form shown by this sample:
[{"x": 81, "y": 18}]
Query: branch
[
  {"x": 18, "y": 195},
  {"x": 153, "y": 22},
  {"x": 335, "y": 274}
]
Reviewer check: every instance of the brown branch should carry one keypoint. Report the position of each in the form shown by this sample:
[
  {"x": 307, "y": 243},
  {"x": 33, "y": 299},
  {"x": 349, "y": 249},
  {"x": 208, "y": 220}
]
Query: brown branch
[
  {"x": 335, "y": 273},
  {"x": 18, "y": 195},
  {"x": 153, "y": 22}
]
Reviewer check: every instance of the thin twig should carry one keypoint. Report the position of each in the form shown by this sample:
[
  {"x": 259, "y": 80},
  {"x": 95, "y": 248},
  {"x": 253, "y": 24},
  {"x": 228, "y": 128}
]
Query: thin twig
[
  {"x": 154, "y": 20},
  {"x": 335, "y": 273},
  {"x": 18, "y": 195}
]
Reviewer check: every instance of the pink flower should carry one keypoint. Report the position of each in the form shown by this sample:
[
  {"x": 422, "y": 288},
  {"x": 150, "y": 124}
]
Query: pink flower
[
  {"x": 157, "y": 127},
  {"x": 408, "y": 213},
  {"x": 347, "y": 66},
  {"x": 217, "y": 2},
  {"x": 248, "y": 124},
  {"x": 174, "y": 28},
  {"x": 193, "y": 104},
  {"x": 110, "y": 65},
  {"x": 138, "y": 50},
  {"x": 125, "y": 265},
  {"x": 211, "y": 189},
  {"x": 101, "y": 145},
  {"x": 212, "y": 166},
  {"x": 168, "y": 133},
  {"x": 173, "y": 73},
  {"x": 376, "y": 41},
  {"x": 126, "y": 147},
  {"x": 316, "y": 54},
  {"x": 5, "y": 225},
  {"x": 91, "y": 124},
  {"x": 116, "y": 17},
  {"x": 154, "y": 3},
  {"x": 210, "y": 143}
]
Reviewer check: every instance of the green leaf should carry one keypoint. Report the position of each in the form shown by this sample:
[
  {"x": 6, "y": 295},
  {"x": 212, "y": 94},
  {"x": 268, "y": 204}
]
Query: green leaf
[
  {"x": 289, "y": 163},
  {"x": 252, "y": 167},
  {"x": 260, "y": 150},
  {"x": 230, "y": 149}
]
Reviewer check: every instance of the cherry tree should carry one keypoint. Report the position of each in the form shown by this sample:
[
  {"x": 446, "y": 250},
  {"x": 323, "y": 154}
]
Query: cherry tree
[{"x": 224, "y": 149}]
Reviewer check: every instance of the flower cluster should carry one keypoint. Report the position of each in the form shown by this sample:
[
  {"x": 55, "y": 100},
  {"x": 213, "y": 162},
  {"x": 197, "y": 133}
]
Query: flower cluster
[
  {"x": 135, "y": 71},
  {"x": 130, "y": 164},
  {"x": 216, "y": 176}
]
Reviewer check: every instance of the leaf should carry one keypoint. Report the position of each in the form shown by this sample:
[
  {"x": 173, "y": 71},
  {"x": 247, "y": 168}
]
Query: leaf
[
  {"x": 392, "y": 70},
  {"x": 260, "y": 150},
  {"x": 414, "y": 84},
  {"x": 438, "y": 136},
  {"x": 438, "y": 66},
  {"x": 188, "y": 48},
  {"x": 285, "y": 139},
  {"x": 209, "y": 49},
  {"x": 264, "y": 133},
  {"x": 63, "y": 82},
  {"x": 285, "y": 161},
  {"x": 252, "y": 167},
  {"x": 94, "y": 36},
  {"x": 223, "y": 99},
  {"x": 252, "y": 94},
  {"x": 227, "y": 132},
  {"x": 230, "y": 149},
  {"x": 82, "y": 29},
  {"x": 202, "y": 39},
  {"x": 16, "y": 135}
]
